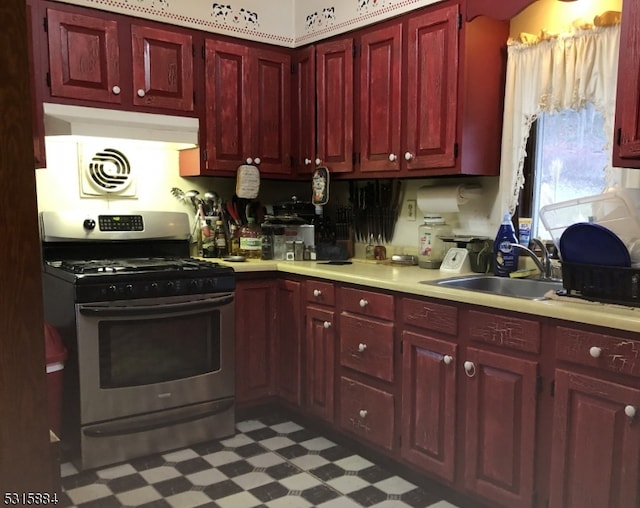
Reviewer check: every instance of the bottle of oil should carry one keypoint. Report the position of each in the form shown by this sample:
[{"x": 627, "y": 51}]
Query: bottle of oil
[
  {"x": 220, "y": 242},
  {"x": 234, "y": 240},
  {"x": 251, "y": 240}
]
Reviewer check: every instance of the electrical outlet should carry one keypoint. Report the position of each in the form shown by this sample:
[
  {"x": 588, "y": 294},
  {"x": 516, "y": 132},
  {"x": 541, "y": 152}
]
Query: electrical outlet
[{"x": 410, "y": 209}]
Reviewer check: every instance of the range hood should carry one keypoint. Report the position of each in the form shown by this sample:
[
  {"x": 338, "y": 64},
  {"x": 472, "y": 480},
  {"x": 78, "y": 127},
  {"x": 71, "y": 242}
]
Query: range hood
[{"x": 64, "y": 120}]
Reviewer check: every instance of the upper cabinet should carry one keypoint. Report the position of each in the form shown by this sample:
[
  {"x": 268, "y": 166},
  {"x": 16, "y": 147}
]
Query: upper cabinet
[
  {"x": 431, "y": 91},
  {"x": 334, "y": 92},
  {"x": 303, "y": 120},
  {"x": 626, "y": 151},
  {"x": 114, "y": 63},
  {"x": 247, "y": 113}
]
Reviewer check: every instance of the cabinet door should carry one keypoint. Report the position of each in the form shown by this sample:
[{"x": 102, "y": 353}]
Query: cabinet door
[
  {"x": 432, "y": 89},
  {"x": 304, "y": 110},
  {"x": 500, "y": 427},
  {"x": 37, "y": 114},
  {"x": 289, "y": 340},
  {"x": 255, "y": 325},
  {"x": 84, "y": 57},
  {"x": 334, "y": 88},
  {"x": 595, "y": 445},
  {"x": 627, "y": 151},
  {"x": 429, "y": 404},
  {"x": 320, "y": 353},
  {"x": 380, "y": 69},
  {"x": 162, "y": 68},
  {"x": 271, "y": 111},
  {"x": 228, "y": 105}
]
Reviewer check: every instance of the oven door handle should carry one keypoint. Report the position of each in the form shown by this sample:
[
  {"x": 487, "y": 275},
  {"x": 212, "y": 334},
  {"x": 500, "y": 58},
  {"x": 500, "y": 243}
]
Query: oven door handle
[{"x": 162, "y": 308}]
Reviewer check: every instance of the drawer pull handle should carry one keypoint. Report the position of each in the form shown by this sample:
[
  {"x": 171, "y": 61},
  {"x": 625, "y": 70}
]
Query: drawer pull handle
[
  {"x": 307, "y": 162},
  {"x": 317, "y": 293},
  {"x": 327, "y": 324},
  {"x": 630, "y": 411},
  {"x": 318, "y": 161},
  {"x": 116, "y": 90},
  {"x": 140, "y": 92},
  {"x": 363, "y": 303},
  {"x": 408, "y": 156},
  {"x": 469, "y": 369},
  {"x": 392, "y": 157},
  {"x": 447, "y": 359},
  {"x": 363, "y": 413},
  {"x": 249, "y": 160},
  {"x": 595, "y": 352},
  {"x": 257, "y": 161},
  {"x": 362, "y": 348}
]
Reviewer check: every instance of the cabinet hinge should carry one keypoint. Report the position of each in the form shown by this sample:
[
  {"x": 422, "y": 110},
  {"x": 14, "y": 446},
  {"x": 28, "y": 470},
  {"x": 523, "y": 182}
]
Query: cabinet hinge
[
  {"x": 203, "y": 52},
  {"x": 204, "y": 154},
  {"x": 293, "y": 68},
  {"x": 45, "y": 24},
  {"x": 552, "y": 387},
  {"x": 459, "y": 21},
  {"x": 539, "y": 385},
  {"x": 48, "y": 79},
  {"x": 194, "y": 96},
  {"x": 193, "y": 50},
  {"x": 355, "y": 51},
  {"x": 455, "y": 150},
  {"x": 401, "y": 346},
  {"x": 619, "y": 136}
]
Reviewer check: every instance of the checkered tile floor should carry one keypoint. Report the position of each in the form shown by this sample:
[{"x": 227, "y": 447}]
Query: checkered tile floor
[{"x": 271, "y": 462}]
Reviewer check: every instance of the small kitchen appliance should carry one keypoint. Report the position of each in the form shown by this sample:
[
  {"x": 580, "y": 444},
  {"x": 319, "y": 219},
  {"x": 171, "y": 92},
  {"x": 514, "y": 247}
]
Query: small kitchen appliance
[{"x": 150, "y": 334}]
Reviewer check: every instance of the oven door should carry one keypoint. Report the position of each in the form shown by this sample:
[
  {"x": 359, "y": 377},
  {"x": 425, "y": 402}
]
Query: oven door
[{"x": 141, "y": 356}]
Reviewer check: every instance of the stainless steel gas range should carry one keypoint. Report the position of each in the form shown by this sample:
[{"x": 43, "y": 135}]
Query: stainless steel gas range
[{"x": 149, "y": 330}]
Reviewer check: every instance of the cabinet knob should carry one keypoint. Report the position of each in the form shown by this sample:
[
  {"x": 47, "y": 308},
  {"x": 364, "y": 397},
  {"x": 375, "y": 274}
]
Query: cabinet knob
[
  {"x": 595, "y": 352},
  {"x": 363, "y": 413},
  {"x": 408, "y": 156},
  {"x": 630, "y": 411},
  {"x": 447, "y": 359},
  {"x": 362, "y": 347},
  {"x": 363, "y": 303},
  {"x": 393, "y": 157},
  {"x": 116, "y": 90},
  {"x": 469, "y": 369},
  {"x": 318, "y": 161},
  {"x": 327, "y": 324},
  {"x": 257, "y": 160},
  {"x": 307, "y": 162},
  {"x": 140, "y": 92},
  {"x": 249, "y": 160},
  {"x": 317, "y": 293}
]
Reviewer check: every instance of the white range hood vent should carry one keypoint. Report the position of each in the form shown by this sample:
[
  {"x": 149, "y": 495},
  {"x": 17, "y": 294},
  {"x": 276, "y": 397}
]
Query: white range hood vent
[{"x": 64, "y": 120}]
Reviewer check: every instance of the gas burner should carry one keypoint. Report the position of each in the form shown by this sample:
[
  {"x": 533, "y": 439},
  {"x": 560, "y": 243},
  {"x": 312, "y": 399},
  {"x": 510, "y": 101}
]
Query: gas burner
[{"x": 107, "y": 266}]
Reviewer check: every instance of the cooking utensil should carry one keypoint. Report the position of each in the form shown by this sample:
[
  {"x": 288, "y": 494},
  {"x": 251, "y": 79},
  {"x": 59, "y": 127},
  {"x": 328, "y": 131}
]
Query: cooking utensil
[{"x": 592, "y": 244}]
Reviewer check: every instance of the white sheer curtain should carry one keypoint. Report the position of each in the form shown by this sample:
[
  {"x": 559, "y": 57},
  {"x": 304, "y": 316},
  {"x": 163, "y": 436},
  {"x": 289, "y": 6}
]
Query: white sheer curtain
[{"x": 552, "y": 75}]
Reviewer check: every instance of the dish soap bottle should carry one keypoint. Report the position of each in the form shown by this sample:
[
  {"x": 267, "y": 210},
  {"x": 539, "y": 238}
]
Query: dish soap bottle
[{"x": 506, "y": 256}]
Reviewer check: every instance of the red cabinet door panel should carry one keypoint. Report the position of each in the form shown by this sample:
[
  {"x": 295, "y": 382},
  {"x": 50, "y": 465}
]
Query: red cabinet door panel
[
  {"x": 432, "y": 79},
  {"x": 162, "y": 68},
  {"x": 84, "y": 58},
  {"x": 320, "y": 353}
]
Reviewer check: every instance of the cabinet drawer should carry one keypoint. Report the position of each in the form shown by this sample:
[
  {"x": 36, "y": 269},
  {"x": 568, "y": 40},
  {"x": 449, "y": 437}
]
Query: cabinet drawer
[
  {"x": 320, "y": 292},
  {"x": 430, "y": 316},
  {"x": 607, "y": 352},
  {"x": 367, "y": 346},
  {"x": 367, "y": 412},
  {"x": 367, "y": 303},
  {"x": 504, "y": 331}
]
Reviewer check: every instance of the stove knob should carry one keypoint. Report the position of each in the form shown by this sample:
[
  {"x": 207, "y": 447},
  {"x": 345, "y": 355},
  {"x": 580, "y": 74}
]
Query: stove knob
[
  {"x": 171, "y": 285},
  {"x": 193, "y": 284},
  {"x": 112, "y": 289},
  {"x": 154, "y": 287},
  {"x": 209, "y": 283},
  {"x": 89, "y": 224},
  {"x": 128, "y": 289}
]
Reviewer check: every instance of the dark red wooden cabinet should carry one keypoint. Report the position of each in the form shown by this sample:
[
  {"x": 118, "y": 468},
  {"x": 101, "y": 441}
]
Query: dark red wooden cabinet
[
  {"x": 626, "y": 148},
  {"x": 84, "y": 57},
  {"x": 303, "y": 123},
  {"x": 288, "y": 340},
  {"x": 248, "y": 108},
  {"x": 89, "y": 61},
  {"x": 334, "y": 91},
  {"x": 320, "y": 362}
]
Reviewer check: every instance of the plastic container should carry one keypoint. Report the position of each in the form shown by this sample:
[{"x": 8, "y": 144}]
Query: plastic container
[
  {"x": 505, "y": 255},
  {"x": 431, "y": 246},
  {"x": 617, "y": 210},
  {"x": 56, "y": 355}
]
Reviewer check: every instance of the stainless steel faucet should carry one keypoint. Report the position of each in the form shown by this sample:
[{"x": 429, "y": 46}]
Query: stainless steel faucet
[{"x": 544, "y": 264}]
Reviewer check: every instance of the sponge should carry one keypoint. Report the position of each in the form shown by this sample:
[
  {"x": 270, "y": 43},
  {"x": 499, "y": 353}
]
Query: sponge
[{"x": 519, "y": 274}]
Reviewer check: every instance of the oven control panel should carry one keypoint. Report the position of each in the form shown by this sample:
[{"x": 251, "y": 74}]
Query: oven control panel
[{"x": 120, "y": 223}]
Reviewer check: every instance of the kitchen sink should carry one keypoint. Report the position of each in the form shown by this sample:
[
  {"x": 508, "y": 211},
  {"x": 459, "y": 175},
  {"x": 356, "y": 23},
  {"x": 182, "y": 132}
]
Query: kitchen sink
[{"x": 531, "y": 289}]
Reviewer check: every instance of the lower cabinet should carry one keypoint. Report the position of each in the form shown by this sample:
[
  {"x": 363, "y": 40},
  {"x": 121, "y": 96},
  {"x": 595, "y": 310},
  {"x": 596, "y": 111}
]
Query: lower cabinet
[
  {"x": 429, "y": 394},
  {"x": 288, "y": 340},
  {"x": 320, "y": 361},
  {"x": 500, "y": 427},
  {"x": 255, "y": 332}
]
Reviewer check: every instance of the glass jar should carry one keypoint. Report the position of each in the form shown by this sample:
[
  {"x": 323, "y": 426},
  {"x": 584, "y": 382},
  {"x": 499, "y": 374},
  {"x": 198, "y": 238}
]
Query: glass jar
[
  {"x": 431, "y": 247},
  {"x": 220, "y": 240},
  {"x": 251, "y": 240}
]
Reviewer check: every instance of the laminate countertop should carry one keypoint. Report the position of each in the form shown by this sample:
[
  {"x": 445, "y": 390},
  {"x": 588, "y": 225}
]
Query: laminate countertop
[{"x": 408, "y": 279}]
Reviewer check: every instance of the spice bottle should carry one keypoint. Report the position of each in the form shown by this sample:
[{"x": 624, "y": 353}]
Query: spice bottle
[{"x": 220, "y": 242}]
